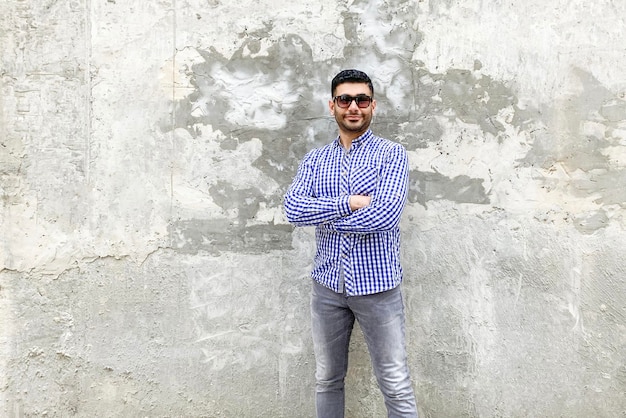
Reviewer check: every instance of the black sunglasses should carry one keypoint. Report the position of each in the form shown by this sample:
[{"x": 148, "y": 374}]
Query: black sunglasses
[{"x": 344, "y": 101}]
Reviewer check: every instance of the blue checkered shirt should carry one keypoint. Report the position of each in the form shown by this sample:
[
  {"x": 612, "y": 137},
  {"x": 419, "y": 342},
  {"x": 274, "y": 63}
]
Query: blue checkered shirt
[{"x": 357, "y": 251}]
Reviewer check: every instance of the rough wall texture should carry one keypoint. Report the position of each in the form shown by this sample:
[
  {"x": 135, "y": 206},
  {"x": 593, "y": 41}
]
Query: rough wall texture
[{"x": 146, "y": 268}]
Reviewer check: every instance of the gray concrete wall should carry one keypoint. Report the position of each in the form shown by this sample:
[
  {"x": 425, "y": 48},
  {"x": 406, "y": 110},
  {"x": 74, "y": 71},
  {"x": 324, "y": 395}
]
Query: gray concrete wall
[{"x": 146, "y": 267}]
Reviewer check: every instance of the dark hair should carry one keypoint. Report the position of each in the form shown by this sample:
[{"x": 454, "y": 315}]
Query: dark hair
[{"x": 350, "y": 76}]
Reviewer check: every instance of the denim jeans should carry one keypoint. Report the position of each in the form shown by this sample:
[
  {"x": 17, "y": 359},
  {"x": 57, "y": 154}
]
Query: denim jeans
[{"x": 381, "y": 318}]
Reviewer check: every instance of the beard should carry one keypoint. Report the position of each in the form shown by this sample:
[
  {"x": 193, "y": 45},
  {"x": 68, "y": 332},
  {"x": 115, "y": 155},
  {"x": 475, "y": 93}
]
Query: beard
[{"x": 357, "y": 126}]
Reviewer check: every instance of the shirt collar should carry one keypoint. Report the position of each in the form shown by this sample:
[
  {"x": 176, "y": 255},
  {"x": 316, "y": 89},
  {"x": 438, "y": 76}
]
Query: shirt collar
[{"x": 357, "y": 141}]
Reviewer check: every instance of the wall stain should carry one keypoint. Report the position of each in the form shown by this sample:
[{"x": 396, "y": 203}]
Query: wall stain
[{"x": 580, "y": 133}]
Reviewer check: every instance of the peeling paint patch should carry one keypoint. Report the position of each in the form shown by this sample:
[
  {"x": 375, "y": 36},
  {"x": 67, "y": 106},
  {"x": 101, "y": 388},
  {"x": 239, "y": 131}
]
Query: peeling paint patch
[
  {"x": 433, "y": 186},
  {"x": 215, "y": 236}
]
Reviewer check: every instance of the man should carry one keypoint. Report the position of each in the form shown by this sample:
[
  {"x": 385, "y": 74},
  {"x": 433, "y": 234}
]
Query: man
[{"x": 353, "y": 191}]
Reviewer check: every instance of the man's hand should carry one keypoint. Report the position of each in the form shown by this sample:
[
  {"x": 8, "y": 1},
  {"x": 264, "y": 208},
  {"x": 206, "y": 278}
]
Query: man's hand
[{"x": 358, "y": 201}]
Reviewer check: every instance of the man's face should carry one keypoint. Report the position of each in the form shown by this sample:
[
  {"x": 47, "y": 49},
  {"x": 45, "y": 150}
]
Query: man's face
[{"x": 352, "y": 120}]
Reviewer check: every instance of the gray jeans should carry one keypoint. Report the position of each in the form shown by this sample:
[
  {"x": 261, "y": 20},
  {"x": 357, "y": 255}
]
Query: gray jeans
[{"x": 381, "y": 318}]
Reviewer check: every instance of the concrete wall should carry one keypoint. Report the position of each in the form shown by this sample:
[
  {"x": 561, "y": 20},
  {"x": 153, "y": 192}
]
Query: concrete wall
[{"x": 146, "y": 267}]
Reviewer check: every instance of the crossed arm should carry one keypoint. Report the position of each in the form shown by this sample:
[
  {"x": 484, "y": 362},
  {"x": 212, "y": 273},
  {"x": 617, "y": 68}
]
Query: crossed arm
[{"x": 379, "y": 211}]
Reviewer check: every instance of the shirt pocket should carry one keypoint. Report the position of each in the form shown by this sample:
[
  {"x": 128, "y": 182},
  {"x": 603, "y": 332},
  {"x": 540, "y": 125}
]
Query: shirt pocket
[{"x": 363, "y": 180}]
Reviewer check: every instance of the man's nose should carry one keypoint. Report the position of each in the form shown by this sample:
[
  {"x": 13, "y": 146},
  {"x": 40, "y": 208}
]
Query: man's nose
[{"x": 353, "y": 104}]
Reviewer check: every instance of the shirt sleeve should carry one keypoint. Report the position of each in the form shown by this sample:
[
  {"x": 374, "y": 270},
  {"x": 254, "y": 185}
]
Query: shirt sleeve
[
  {"x": 388, "y": 200},
  {"x": 303, "y": 208}
]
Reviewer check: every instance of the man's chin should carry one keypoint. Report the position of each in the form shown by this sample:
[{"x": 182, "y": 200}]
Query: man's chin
[
  {"x": 357, "y": 127},
  {"x": 354, "y": 125}
]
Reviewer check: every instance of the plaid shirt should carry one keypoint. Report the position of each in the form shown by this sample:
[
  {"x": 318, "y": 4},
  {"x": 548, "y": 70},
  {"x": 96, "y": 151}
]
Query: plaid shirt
[{"x": 359, "y": 251}]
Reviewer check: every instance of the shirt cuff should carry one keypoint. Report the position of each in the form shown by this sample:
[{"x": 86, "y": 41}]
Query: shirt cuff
[{"x": 343, "y": 206}]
